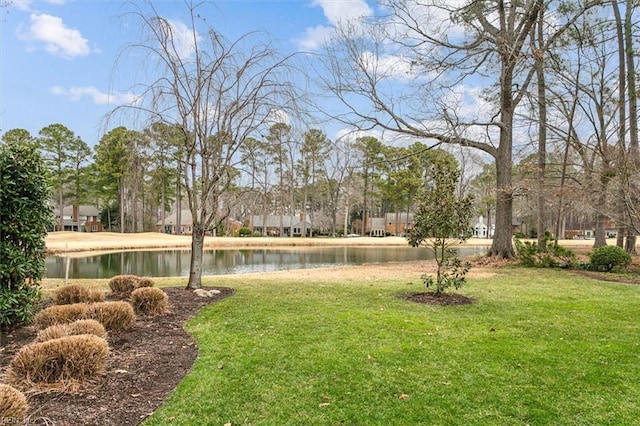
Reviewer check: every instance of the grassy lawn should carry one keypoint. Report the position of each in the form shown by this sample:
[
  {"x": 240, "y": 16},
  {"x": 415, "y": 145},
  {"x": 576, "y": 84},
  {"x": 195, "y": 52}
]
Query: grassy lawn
[{"x": 540, "y": 347}]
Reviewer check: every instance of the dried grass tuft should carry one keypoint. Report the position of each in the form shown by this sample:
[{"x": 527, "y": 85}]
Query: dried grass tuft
[
  {"x": 113, "y": 315},
  {"x": 63, "y": 364},
  {"x": 87, "y": 326},
  {"x": 61, "y": 314},
  {"x": 13, "y": 405},
  {"x": 145, "y": 282},
  {"x": 76, "y": 293},
  {"x": 149, "y": 301},
  {"x": 123, "y": 285}
]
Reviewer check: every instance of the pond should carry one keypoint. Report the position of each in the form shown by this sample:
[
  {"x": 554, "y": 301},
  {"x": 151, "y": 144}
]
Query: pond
[{"x": 175, "y": 263}]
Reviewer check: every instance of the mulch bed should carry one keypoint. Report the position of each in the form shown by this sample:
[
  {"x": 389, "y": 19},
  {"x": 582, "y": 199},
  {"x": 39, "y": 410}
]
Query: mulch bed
[
  {"x": 442, "y": 299},
  {"x": 145, "y": 364}
]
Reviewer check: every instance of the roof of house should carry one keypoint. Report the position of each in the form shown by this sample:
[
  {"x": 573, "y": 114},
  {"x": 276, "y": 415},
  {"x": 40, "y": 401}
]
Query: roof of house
[
  {"x": 273, "y": 221},
  {"x": 402, "y": 217},
  {"x": 377, "y": 223},
  {"x": 172, "y": 219},
  {"x": 185, "y": 219},
  {"x": 84, "y": 210}
]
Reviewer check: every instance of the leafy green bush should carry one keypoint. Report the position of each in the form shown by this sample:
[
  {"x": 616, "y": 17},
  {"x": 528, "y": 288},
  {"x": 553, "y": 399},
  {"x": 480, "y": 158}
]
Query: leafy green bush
[
  {"x": 25, "y": 213},
  {"x": 17, "y": 305},
  {"x": 244, "y": 232},
  {"x": 553, "y": 256},
  {"x": 608, "y": 258}
]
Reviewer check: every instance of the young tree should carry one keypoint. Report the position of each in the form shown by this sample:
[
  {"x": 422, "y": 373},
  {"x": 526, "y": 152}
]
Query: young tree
[
  {"x": 441, "y": 221},
  {"x": 25, "y": 216},
  {"x": 218, "y": 93}
]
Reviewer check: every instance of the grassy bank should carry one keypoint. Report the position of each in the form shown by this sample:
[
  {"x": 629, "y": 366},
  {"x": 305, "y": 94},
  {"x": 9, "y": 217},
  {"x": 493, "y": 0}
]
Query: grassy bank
[{"x": 539, "y": 347}]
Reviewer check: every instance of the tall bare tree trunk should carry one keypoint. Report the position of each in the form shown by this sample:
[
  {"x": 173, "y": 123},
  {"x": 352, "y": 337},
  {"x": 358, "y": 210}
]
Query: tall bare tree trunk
[
  {"x": 633, "y": 118},
  {"x": 538, "y": 36},
  {"x": 197, "y": 248}
]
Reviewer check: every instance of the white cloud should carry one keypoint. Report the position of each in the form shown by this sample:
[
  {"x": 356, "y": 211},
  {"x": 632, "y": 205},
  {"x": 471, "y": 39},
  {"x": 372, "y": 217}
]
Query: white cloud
[
  {"x": 315, "y": 37},
  {"x": 26, "y": 4},
  {"x": 183, "y": 38},
  {"x": 390, "y": 66},
  {"x": 337, "y": 11},
  {"x": 57, "y": 38},
  {"x": 97, "y": 96}
]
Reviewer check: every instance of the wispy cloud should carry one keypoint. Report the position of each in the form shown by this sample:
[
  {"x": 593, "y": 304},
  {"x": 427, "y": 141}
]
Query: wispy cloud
[
  {"x": 26, "y": 4},
  {"x": 57, "y": 38},
  {"x": 335, "y": 12},
  {"x": 98, "y": 97},
  {"x": 183, "y": 38},
  {"x": 338, "y": 11}
]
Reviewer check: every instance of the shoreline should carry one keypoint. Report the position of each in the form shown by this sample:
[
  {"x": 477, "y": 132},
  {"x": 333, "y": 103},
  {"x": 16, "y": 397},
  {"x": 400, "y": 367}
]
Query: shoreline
[{"x": 76, "y": 243}]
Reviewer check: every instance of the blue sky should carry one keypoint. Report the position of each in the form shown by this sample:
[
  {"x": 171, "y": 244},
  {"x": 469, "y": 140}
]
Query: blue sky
[{"x": 57, "y": 56}]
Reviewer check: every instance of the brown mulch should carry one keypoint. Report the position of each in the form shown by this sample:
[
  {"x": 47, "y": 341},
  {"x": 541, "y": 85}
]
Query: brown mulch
[
  {"x": 442, "y": 299},
  {"x": 145, "y": 364}
]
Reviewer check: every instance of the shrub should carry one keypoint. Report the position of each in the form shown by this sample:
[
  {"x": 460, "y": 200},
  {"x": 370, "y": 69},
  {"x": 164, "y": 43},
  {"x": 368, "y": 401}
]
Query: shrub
[
  {"x": 608, "y": 258},
  {"x": 76, "y": 293},
  {"x": 149, "y": 301},
  {"x": 61, "y": 314},
  {"x": 87, "y": 326},
  {"x": 17, "y": 305},
  {"x": 63, "y": 364},
  {"x": 552, "y": 256},
  {"x": 123, "y": 284},
  {"x": 26, "y": 215},
  {"x": 244, "y": 232},
  {"x": 112, "y": 315},
  {"x": 13, "y": 405},
  {"x": 144, "y": 282}
]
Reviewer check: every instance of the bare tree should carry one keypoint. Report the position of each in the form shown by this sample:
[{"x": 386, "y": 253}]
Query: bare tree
[
  {"x": 440, "y": 46},
  {"x": 218, "y": 93}
]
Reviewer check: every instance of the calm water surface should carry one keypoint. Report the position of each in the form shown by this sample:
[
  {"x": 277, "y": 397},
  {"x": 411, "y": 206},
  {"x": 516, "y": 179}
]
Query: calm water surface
[{"x": 175, "y": 263}]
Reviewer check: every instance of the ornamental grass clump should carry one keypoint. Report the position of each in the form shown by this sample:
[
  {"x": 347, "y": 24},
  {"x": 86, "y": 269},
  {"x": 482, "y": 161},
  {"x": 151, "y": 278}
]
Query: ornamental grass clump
[
  {"x": 123, "y": 285},
  {"x": 149, "y": 301},
  {"x": 61, "y": 314},
  {"x": 13, "y": 405},
  {"x": 112, "y": 315},
  {"x": 63, "y": 364},
  {"x": 76, "y": 293},
  {"x": 87, "y": 326},
  {"x": 145, "y": 282}
]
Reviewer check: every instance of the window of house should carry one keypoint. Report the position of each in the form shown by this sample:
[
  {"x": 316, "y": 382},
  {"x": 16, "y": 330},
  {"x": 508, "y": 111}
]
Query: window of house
[{"x": 94, "y": 228}]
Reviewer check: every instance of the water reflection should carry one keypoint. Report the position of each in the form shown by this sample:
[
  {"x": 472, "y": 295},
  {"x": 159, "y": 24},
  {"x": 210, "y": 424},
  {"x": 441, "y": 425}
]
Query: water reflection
[{"x": 171, "y": 263}]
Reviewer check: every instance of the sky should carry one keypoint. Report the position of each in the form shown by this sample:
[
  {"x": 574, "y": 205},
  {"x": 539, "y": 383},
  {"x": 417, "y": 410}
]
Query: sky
[{"x": 58, "y": 58}]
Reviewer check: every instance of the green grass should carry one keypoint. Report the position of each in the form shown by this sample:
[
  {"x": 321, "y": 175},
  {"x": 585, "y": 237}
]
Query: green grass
[{"x": 539, "y": 347}]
